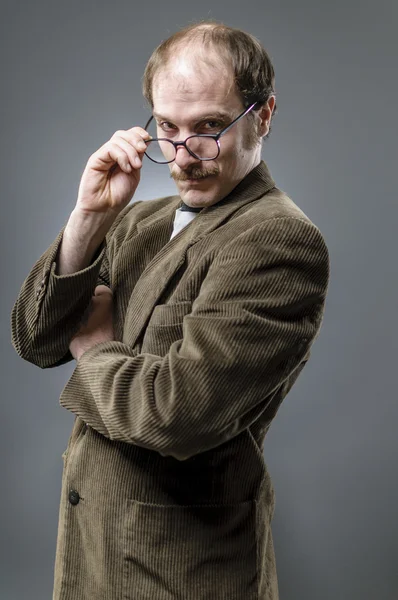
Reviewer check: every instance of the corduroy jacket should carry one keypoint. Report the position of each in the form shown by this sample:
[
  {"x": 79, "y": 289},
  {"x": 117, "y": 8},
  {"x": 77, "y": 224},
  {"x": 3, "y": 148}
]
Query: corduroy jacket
[{"x": 165, "y": 491}]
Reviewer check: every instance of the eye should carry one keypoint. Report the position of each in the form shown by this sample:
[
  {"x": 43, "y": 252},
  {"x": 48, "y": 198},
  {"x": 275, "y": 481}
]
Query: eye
[
  {"x": 166, "y": 126},
  {"x": 209, "y": 125}
]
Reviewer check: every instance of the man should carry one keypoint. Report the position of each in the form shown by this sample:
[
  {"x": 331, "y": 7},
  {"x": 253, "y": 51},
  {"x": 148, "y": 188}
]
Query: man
[{"x": 204, "y": 311}]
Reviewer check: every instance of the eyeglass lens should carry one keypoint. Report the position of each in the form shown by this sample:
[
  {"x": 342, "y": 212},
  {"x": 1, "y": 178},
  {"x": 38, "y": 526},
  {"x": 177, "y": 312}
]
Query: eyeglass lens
[{"x": 164, "y": 151}]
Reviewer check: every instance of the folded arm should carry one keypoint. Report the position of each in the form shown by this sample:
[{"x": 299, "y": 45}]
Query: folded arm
[
  {"x": 259, "y": 310},
  {"x": 50, "y": 307}
]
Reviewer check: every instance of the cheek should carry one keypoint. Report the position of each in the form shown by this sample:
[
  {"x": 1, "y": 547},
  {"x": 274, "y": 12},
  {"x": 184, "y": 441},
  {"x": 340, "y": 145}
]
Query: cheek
[
  {"x": 231, "y": 157},
  {"x": 229, "y": 153}
]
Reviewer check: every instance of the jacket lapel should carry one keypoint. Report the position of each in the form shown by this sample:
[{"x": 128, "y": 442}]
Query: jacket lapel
[{"x": 156, "y": 230}]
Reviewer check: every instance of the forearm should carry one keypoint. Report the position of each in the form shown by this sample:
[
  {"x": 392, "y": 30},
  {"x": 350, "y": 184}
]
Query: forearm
[
  {"x": 82, "y": 237},
  {"x": 58, "y": 290},
  {"x": 49, "y": 307}
]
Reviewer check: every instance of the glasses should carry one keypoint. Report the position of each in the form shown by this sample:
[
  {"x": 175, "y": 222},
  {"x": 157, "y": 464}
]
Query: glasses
[{"x": 202, "y": 146}]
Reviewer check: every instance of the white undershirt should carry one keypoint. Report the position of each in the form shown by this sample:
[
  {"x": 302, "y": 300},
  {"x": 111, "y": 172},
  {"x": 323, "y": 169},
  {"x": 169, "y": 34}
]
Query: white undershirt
[{"x": 181, "y": 219}]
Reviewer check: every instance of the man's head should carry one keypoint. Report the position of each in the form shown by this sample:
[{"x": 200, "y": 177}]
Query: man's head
[{"x": 198, "y": 81}]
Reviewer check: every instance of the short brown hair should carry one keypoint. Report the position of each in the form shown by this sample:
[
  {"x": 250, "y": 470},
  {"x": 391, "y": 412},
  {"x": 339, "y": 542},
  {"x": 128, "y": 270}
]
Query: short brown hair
[{"x": 251, "y": 64}]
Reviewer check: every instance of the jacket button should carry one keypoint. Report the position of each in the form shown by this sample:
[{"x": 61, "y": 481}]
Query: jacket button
[{"x": 74, "y": 497}]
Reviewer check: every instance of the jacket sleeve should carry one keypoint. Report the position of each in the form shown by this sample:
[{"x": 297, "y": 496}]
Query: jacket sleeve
[
  {"x": 49, "y": 307},
  {"x": 259, "y": 309}
]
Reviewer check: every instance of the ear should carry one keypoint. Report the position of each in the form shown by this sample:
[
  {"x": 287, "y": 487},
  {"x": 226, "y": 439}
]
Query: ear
[{"x": 264, "y": 115}]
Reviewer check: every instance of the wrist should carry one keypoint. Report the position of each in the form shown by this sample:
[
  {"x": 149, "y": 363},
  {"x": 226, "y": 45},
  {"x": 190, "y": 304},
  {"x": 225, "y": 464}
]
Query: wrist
[
  {"x": 88, "y": 229},
  {"x": 90, "y": 223}
]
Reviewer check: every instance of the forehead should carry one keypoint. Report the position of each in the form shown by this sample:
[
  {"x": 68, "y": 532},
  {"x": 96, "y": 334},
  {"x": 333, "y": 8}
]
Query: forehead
[{"x": 187, "y": 88}]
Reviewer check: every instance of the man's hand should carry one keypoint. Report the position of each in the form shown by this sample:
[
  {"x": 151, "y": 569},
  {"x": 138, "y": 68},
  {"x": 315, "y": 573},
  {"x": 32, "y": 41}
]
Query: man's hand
[
  {"x": 112, "y": 174},
  {"x": 97, "y": 327}
]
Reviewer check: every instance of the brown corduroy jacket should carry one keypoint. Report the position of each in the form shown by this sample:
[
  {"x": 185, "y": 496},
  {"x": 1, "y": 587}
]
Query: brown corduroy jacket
[{"x": 165, "y": 491}]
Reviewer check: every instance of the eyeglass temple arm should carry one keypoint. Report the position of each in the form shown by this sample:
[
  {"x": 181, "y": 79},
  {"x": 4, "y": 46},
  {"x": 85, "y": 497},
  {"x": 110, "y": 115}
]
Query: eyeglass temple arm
[
  {"x": 237, "y": 119},
  {"x": 147, "y": 123}
]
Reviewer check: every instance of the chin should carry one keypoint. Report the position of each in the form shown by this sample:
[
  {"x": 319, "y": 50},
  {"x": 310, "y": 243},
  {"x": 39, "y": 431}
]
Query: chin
[{"x": 196, "y": 198}]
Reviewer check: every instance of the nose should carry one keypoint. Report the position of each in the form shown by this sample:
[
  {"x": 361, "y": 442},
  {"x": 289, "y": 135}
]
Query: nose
[{"x": 184, "y": 159}]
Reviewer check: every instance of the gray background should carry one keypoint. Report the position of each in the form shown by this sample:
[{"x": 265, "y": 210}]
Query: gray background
[{"x": 70, "y": 78}]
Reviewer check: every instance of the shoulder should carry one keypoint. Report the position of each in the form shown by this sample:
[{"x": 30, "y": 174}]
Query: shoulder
[
  {"x": 274, "y": 214},
  {"x": 275, "y": 229},
  {"x": 275, "y": 204}
]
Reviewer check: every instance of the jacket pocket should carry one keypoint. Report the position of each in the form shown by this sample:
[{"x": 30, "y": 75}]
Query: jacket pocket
[
  {"x": 195, "y": 552},
  {"x": 165, "y": 327}
]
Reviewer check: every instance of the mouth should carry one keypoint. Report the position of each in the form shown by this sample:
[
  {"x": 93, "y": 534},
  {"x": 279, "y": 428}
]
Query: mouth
[
  {"x": 196, "y": 180},
  {"x": 192, "y": 178}
]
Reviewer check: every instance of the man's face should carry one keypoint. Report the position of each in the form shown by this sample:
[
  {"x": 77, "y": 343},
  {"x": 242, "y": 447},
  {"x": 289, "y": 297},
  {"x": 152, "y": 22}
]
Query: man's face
[{"x": 189, "y": 98}]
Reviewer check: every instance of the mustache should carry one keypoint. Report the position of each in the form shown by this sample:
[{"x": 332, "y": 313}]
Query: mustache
[{"x": 194, "y": 173}]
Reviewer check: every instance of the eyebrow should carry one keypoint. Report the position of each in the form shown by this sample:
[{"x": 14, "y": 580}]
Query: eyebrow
[{"x": 222, "y": 116}]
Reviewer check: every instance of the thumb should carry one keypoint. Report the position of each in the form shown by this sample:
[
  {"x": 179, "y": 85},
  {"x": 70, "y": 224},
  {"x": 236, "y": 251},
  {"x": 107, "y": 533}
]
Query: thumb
[{"x": 102, "y": 289}]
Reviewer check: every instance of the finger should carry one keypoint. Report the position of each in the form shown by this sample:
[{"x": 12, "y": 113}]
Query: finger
[
  {"x": 119, "y": 155},
  {"x": 102, "y": 289},
  {"x": 133, "y": 136},
  {"x": 134, "y": 149},
  {"x": 136, "y": 141},
  {"x": 139, "y": 131}
]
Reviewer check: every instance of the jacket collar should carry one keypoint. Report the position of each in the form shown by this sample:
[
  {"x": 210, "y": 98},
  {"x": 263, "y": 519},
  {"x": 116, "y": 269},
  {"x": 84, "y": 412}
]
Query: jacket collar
[{"x": 257, "y": 183}]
